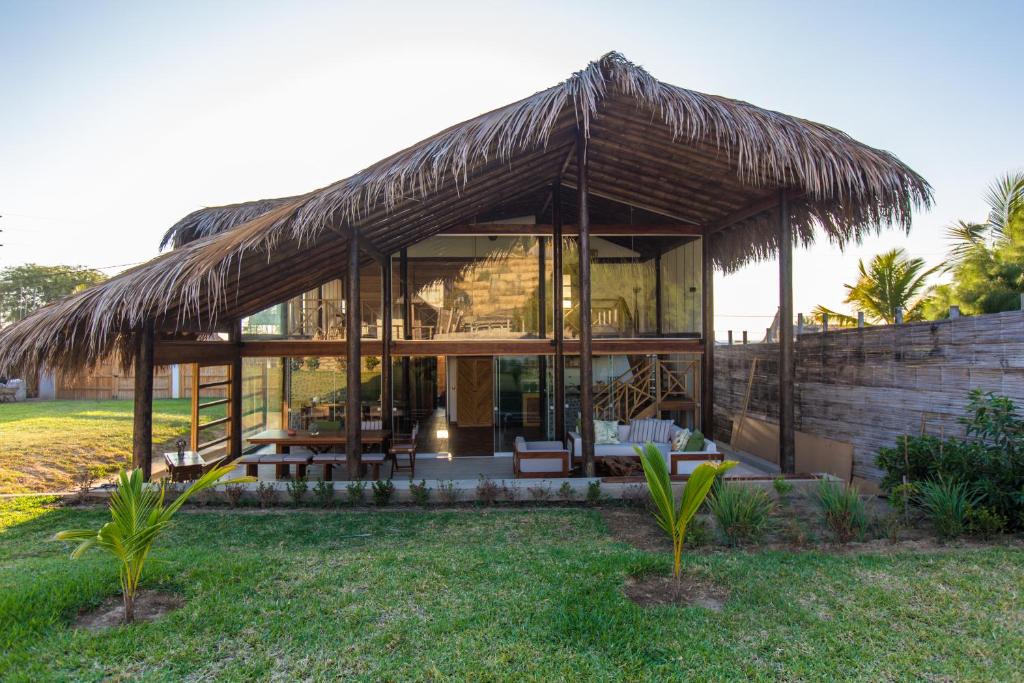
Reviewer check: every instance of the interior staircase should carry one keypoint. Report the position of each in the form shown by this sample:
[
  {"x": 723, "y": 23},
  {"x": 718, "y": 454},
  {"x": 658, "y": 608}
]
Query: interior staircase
[{"x": 650, "y": 387}]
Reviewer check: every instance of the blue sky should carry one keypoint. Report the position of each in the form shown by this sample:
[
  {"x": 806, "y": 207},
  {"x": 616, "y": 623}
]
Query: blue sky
[{"x": 118, "y": 119}]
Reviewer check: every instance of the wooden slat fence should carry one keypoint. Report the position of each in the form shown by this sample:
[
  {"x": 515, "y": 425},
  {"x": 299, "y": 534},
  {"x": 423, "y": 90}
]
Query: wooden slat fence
[
  {"x": 868, "y": 386},
  {"x": 109, "y": 381}
]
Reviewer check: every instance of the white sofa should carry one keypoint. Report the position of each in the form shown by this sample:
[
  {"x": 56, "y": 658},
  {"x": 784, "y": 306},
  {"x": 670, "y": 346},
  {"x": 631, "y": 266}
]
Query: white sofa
[
  {"x": 13, "y": 390},
  {"x": 540, "y": 459},
  {"x": 683, "y": 463}
]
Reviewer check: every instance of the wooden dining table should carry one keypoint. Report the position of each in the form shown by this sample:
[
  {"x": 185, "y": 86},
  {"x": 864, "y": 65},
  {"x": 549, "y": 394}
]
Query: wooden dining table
[{"x": 320, "y": 442}]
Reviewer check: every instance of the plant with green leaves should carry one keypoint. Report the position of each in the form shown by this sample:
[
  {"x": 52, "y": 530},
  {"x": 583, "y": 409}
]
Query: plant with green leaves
[
  {"x": 844, "y": 510},
  {"x": 947, "y": 504},
  {"x": 742, "y": 513},
  {"x": 138, "y": 516},
  {"x": 674, "y": 518}
]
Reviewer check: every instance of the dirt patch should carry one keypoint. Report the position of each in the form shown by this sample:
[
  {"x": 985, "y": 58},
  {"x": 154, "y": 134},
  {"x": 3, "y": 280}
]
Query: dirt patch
[
  {"x": 149, "y": 605},
  {"x": 636, "y": 528},
  {"x": 688, "y": 591}
]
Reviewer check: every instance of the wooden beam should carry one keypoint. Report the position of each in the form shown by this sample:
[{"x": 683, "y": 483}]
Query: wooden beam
[
  {"x": 194, "y": 433},
  {"x": 586, "y": 331},
  {"x": 707, "y": 375},
  {"x": 787, "y": 368},
  {"x": 353, "y": 361},
  {"x": 403, "y": 281},
  {"x": 571, "y": 230},
  {"x": 142, "y": 428},
  {"x": 751, "y": 210},
  {"x": 558, "y": 322},
  {"x": 386, "y": 387},
  {"x": 630, "y": 202},
  {"x": 235, "y": 392},
  {"x": 205, "y": 352}
]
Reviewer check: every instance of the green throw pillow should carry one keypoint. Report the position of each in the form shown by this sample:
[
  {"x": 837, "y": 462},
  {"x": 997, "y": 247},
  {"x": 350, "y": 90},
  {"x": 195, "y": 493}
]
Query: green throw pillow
[
  {"x": 606, "y": 431},
  {"x": 695, "y": 442}
]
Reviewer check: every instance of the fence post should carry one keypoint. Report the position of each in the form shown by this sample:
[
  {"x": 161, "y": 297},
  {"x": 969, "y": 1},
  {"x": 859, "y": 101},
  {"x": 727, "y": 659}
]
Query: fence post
[
  {"x": 824, "y": 322},
  {"x": 744, "y": 336},
  {"x": 899, "y": 315},
  {"x": 860, "y": 318},
  {"x": 730, "y": 337},
  {"x": 954, "y": 312},
  {"x": 799, "y": 324}
]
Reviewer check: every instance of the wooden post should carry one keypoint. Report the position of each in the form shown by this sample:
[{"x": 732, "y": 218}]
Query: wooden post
[
  {"x": 387, "y": 322},
  {"x": 824, "y": 322},
  {"x": 542, "y": 333},
  {"x": 558, "y": 318},
  {"x": 707, "y": 390},
  {"x": 354, "y": 384},
  {"x": 799, "y": 324},
  {"x": 787, "y": 367},
  {"x": 403, "y": 284},
  {"x": 954, "y": 312},
  {"x": 658, "y": 314},
  {"x": 729, "y": 337},
  {"x": 235, "y": 389},
  {"x": 744, "y": 336},
  {"x": 899, "y": 315},
  {"x": 860, "y": 319},
  {"x": 586, "y": 331},
  {"x": 142, "y": 432},
  {"x": 194, "y": 434}
]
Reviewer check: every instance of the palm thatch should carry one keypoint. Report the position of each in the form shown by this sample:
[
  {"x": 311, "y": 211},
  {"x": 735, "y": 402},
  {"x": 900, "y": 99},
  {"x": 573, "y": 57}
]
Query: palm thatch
[{"x": 668, "y": 151}]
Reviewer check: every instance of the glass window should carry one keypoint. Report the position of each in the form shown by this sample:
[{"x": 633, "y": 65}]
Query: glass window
[{"x": 316, "y": 390}]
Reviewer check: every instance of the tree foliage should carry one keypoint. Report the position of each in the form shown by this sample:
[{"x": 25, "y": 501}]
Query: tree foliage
[
  {"x": 27, "y": 287},
  {"x": 987, "y": 259}
]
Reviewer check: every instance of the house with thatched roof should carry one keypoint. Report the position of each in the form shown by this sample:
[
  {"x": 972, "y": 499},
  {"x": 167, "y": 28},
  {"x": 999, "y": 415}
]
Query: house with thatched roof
[{"x": 547, "y": 260}]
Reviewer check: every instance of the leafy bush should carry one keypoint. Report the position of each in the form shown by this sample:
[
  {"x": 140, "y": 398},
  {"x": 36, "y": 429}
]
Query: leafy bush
[
  {"x": 447, "y": 492},
  {"x": 323, "y": 492},
  {"x": 743, "y": 513},
  {"x": 566, "y": 491},
  {"x": 297, "y": 488},
  {"x": 487, "y": 491},
  {"x": 420, "y": 492},
  {"x": 594, "y": 492},
  {"x": 234, "y": 492},
  {"x": 266, "y": 495},
  {"x": 382, "y": 490},
  {"x": 355, "y": 490},
  {"x": 783, "y": 487},
  {"x": 985, "y": 522},
  {"x": 845, "y": 514},
  {"x": 540, "y": 493},
  {"x": 947, "y": 504},
  {"x": 989, "y": 459}
]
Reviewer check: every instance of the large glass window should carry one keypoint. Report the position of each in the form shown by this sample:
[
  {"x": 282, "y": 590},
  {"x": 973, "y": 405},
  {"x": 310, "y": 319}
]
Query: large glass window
[
  {"x": 316, "y": 390},
  {"x": 521, "y": 399}
]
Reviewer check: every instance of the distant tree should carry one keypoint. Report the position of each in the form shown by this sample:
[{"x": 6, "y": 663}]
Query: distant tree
[
  {"x": 986, "y": 259},
  {"x": 25, "y": 288},
  {"x": 892, "y": 280}
]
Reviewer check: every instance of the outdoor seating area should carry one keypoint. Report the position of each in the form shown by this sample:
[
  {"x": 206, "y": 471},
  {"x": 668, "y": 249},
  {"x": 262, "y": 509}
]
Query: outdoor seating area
[{"x": 12, "y": 390}]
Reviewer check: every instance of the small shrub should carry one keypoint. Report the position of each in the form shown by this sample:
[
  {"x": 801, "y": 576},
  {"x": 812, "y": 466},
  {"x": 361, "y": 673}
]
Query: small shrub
[
  {"x": 946, "y": 505},
  {"x": 233, "y": 492},
  {"x": 355, "y": 490},
  {"x": 266, "y": 496},
  {"x": 698, "y": 533},
  {"x": 511, "y": 492},
  {"x": 984, "y": 522},
  {"x": 540, "y": 494},
  {"x": 447, "y": 492},
  {"x": 844, "y": 510},
  {"x": 486, "y": 491},
  {"x": 902, "y": 496},
  {"x": 420, "y": 492},
  {"x": 743, "y": 513},
  {"x": 594, "y": 492},
  {"x": 297, "y": 488},
  {"x": 323, "y": 492},
  {"x": 783, "y": 487},
  {"x": 84, "y": 479},
  {"x": 566, "y": 491},
  {"x": 382, "y": 490},
  {"x": 887, "y": 526}
]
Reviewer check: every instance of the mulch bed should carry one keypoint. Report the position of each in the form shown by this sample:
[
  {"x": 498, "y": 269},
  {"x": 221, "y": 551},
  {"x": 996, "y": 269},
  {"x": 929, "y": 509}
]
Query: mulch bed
[
  {"x": 636, "y": 528},
  {"x": 149, "y": 605},
  {"x": 688, "y": 591}
]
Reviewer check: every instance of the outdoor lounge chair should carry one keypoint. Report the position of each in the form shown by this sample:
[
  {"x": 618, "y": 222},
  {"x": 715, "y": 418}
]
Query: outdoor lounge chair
[{"x": 539, "y": 459}]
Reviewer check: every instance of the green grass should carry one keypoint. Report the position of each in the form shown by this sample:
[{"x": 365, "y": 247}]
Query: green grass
[
  {"x": 43, "y": 443},
  {"x": 493, "y": 595}
]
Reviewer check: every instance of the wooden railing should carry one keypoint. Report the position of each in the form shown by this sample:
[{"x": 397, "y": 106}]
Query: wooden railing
[{"x": 651, "y": 386}]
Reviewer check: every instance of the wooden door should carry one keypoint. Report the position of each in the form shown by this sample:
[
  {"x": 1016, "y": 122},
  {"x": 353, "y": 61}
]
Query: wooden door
[{"x": 474, "y": 379}]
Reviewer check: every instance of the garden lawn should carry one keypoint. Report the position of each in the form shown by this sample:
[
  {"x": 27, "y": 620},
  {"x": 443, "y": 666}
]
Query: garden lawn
[
  {"x": 492, "y": 594},
  {"x": 43, "y": 443}
]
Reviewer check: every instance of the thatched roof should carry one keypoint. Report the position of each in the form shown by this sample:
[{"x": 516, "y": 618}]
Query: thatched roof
[{"x": 656, "y": 148}]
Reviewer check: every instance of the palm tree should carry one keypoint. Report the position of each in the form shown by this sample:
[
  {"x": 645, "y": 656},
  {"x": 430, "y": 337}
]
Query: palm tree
[
  {"x": 1003, "y": 226},
  {"x": 892, "y": 280}
]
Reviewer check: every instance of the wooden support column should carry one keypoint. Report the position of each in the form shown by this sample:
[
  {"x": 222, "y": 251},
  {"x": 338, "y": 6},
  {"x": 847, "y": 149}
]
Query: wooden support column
[
  {"x": 235, "y": 397},
  {"x": 658, "y": 313},
  {"x": 142, "y": 432},
  {"x": 406, "y": 294},
  {"x": 558, "y": 317},
  {"x": 353, "y": 361},
  {"x": 787, "y": 368},
  {"x": 385, "y": 345},
  {"x": 542, "y": 332},
  {"x": 707, "y": 389},
  {"x": 586, "y": 332}
]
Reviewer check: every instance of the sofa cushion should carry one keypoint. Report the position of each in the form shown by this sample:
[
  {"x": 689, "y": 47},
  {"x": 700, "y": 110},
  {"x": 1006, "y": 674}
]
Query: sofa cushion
[
  {"x": 613, "y": 449},
  {"x": 606, "y": 432},
  {"x": 695, "y": 442},
  {"x": 655, "y": 431},
  {"x": 679, "y": 439}
]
